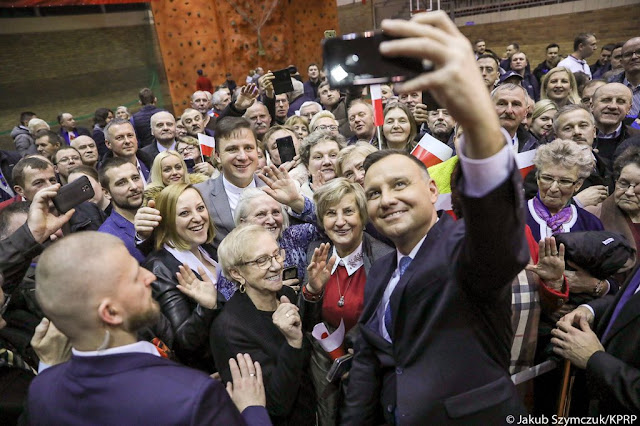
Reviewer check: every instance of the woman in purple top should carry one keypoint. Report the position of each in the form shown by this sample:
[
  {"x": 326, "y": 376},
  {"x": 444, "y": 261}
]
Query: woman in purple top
[{"x": 562, "y": 166}]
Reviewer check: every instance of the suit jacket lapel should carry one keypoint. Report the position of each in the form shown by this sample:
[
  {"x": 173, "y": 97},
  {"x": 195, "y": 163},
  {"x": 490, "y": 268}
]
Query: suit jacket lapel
[{"x": 221, "y": 205}]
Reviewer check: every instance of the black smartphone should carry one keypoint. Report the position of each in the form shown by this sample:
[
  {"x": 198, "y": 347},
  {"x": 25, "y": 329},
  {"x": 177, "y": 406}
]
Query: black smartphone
[
  {"x": 339, "y": 367},
  {"x": 190, "y": 163},
  {"x": 290, "y": 273},
  {"x": 282, "y": 81},
  {"x": 72, "y": 194},
  {"x": 355, "y": 60},
  {"x": 286, "y": 149}
]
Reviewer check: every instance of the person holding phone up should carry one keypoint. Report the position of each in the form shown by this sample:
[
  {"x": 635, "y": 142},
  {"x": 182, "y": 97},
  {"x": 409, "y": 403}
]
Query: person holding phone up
[{"x": 434, "y": 335}]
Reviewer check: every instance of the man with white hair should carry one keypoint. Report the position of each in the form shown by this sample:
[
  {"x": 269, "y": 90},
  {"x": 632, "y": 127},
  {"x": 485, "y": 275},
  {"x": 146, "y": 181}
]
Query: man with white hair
[
  {"x": 309, "y": 109},
  {"x": 163, "y": 129}
]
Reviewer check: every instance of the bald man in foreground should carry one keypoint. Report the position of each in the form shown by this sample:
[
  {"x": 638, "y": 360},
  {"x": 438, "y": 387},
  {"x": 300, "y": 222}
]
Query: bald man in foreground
[{"x": 112, "y": 378}]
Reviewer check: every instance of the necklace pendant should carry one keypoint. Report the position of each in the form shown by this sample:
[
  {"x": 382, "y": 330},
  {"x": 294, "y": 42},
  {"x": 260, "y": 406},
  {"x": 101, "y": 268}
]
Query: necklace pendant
[{"x": 341, "y": 302}]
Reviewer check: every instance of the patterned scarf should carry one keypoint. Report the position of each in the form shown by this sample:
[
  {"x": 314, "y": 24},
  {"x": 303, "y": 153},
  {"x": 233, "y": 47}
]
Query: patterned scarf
[{"x": 555, "y": 221}]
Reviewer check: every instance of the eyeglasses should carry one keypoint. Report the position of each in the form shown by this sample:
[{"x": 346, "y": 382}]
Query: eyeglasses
[
  {"x": 5, "y": 305},
  {"x": 188, "y": 148},
  {"x": 264, "y": 262},
  {"x": 323, "y": 127},
  {"x": 65, "y": 160},
  {"x": 562, "y": 182},
  {"x": 629, "y": 55},
  {"x": 623, "y": 185}
]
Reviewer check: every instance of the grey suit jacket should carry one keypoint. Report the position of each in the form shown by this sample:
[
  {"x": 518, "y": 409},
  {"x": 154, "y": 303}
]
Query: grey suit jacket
[{"x": 215, "y": 197}]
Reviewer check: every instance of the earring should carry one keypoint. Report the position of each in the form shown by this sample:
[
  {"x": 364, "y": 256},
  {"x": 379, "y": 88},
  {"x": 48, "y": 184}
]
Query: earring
[{"x": 241, "y": 288}]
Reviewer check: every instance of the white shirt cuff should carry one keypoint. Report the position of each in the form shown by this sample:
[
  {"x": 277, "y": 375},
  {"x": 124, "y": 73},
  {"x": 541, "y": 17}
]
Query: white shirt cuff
[
  {"x": 481, "y": 176},
  {"x": 589, "y": 308}
]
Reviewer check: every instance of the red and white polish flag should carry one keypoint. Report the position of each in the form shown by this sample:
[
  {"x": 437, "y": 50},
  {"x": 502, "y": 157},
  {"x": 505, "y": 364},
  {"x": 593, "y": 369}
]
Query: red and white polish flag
[
  {"x": 524, "y": 161},
  {"x": 207, "y": 144},
  {"x": 376, "y": 101},
  {"x": 431, "y": 151}
]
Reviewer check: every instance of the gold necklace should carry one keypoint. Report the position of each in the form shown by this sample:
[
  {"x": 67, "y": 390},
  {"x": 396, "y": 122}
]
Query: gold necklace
[{"x": 341, "y": 300}]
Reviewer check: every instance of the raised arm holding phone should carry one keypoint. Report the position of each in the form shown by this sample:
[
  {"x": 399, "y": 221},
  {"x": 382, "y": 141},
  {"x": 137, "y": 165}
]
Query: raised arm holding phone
[{"x": 434, "y": 338}]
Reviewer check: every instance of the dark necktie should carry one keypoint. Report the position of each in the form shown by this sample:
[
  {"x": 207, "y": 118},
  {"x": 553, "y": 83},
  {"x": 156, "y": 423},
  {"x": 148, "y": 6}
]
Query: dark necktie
[
  {"x": 404, "y": 264},
  {"x": 628, "y": 292}
]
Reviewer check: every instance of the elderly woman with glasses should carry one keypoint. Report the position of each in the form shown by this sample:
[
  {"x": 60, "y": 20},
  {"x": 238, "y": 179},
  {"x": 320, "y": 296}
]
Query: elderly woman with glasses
[
  {"x": 261, "y": 320},
  {"x": 325, "y": 121},
  {"x": 189, "y": 148},
  {"x": 562, "y": 165},
  {"x": 620, "y": 212}
]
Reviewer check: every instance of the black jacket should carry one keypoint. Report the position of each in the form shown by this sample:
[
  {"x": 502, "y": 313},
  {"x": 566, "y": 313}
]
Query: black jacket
[
  {"x": 8, "y": 159},
  {"x": 141, "y": 121},
  {"x": 242, "y": 328},
  {"x": 190, "y": 321}
]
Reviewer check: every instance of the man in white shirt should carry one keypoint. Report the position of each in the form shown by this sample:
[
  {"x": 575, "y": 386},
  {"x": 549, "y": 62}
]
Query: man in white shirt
[
  {"x": 236, "y": 151},
  {"x": 584, "y": 45}
]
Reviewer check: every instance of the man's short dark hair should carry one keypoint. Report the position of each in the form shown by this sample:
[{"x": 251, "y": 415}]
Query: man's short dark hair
[
  {"x": 53, "y": 136},
  {"x": 608, "y": 47},
  {"x": 54, "y": 157},
  {"x": 515, "y": 45},
  {"x": 552, "y": 45},
  {"x": 199, "y": 72},
  {"x": 86, "y": 170},
  {"x": 19, "y": 207},
  {"x": 618, "y": 45},
  {"x": 114, "y": 122},
  {"x": 109, "y": 164},
  {"x": 581, "y": 39},
  {"x": 490, "y": 56},
  {"x": 146, "y": 96},
  {"x": 376, "y": 156},
  {"x": 36, "y": 163},
  {"x": 26, "y": 116},
  {"x": 228, "y": 126},
  {"x": 478, "y": 40}
]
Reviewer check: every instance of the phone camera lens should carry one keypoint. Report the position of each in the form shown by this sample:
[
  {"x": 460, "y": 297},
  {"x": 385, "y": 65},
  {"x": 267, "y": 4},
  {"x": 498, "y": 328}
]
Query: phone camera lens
[{"x": 352, "y": 60}]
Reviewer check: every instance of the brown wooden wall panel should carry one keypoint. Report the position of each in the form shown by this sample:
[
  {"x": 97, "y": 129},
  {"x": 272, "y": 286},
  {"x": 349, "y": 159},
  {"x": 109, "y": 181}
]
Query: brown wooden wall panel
[
  {"x": 211, "y": 35},
  {"x": 610, "y": 26}
]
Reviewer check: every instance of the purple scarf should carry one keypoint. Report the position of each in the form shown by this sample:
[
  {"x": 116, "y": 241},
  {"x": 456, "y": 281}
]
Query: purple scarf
[{"x": 555, "y": 221}]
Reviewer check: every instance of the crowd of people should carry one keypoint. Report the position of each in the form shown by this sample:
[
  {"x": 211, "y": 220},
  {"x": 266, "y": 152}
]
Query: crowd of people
[{"x": 186, "y": 273}]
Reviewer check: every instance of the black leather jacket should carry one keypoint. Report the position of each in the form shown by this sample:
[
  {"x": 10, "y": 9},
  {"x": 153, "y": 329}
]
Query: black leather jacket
[{"x": 190, "y": 321}]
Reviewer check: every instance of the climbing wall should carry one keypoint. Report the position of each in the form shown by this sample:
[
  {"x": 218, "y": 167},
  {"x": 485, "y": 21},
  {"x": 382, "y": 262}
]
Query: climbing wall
[{"x": 213, "y": 35}]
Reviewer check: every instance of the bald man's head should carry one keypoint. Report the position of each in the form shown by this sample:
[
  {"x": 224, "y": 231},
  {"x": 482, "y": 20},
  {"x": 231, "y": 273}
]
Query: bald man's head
[{"x": 88, "y": 282}]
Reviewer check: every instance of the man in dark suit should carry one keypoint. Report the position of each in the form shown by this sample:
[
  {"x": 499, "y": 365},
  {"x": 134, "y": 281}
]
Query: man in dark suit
[
  {"x": 435, "y": 331},
  {"x": 236, "y": 150},
  {"x": 112, "y": 378},
  {"x": 602, "y": 338},
  {"x": 163, "y": 129}
]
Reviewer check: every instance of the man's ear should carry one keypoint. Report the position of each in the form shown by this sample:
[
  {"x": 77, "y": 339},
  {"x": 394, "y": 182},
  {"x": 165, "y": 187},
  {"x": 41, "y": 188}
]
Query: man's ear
[
  {"x": 108, "y": 144},
  {"x": 110, "y": 313},
  {"x": 55, "y": 169},
  {"x": 18, "y": 190}
]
